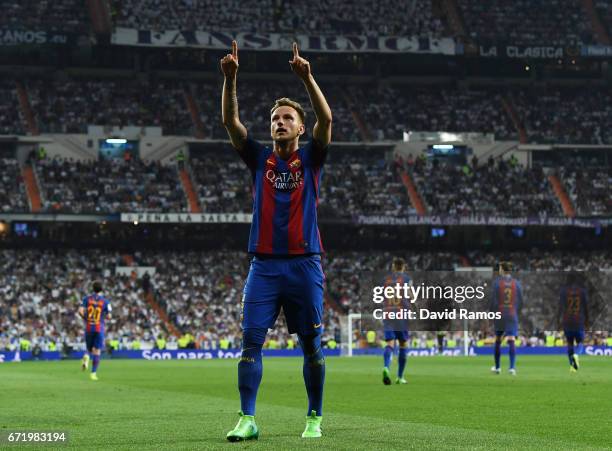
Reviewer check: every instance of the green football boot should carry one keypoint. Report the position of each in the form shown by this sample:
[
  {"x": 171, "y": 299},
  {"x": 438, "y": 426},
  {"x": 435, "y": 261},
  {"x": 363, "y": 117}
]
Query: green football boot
[
  {"x": 246, "y": 429},
  {"x": 576, "y": 361},
  {"x": 386, "y": 376},
  {"x": 401, "y": 380},
  {"x": 313, "y": 426}
]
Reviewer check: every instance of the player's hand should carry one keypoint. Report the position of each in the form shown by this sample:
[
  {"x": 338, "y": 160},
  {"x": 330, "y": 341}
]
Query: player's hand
[
  {"x": 300, "y": 66},
  {"x": 229, "y": 63}
]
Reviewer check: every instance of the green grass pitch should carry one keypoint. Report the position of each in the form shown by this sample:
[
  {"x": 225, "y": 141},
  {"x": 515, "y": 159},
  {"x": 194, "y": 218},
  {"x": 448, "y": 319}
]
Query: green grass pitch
[{"x": 449, "y": 402}]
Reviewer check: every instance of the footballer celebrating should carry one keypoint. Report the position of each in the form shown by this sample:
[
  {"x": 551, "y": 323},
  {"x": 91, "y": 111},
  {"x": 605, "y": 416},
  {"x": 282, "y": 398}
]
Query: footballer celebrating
[
  {"x": 94, "y": 309},
  {"x": 286, "y": 268}
]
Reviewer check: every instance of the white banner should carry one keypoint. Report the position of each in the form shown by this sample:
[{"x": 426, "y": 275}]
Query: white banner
[
  {"x": 447, "y": 220},
  {"x": 187, "y": 218},
  {"x": 278, "y": 41}
]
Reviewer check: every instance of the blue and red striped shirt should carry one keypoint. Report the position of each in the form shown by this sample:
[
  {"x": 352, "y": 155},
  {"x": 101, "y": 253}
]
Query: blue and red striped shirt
[
  {"x": 573, "y": 305},
  {"x": 392, "y": 280},
  {"x": 285, "y": 199},
  {"x": 507, "y": 297},
  {"x": 96, "y": 308}
]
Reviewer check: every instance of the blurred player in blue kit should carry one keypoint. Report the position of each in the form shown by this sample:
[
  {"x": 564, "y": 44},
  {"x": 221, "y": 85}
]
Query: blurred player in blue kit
[
  {"x": 396, "y": 329},
  {"x": 573, "y": 317},
  {"x": 507, "y": 299},
  {"x": 94, "y": 310}
]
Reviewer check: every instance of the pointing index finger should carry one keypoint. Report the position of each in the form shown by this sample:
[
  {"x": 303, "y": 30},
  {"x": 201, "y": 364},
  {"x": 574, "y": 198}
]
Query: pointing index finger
[
  {"x": 235, "y": 49},
  {"x": 296, "y": 54}
]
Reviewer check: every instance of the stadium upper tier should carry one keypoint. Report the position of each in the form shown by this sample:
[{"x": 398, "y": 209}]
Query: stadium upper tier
[
  {"x": 386, "y": 18},
  {"x": 468, "y": 190},
  {"x": 604, "y": 9},
  {"x": 50, "y": 15},
  {"x": 390, "y": 110},
  {"x": 527, "y": 22},
  {"x": 356, "y": 184},
  {"x": 10, "y": 119},
  {"x": 362, "y": 113},
  {"x": 69, "y": 106},
  {"x": 200, "y": 292}
]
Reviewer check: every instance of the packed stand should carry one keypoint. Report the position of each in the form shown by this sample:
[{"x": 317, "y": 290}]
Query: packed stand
[
  {"x": 389, "y": 111},
  {"x": 565, "y": 115},
  {"x": 62, "y": 16},
  {"x": 41, "y": 291},
  {"x": 360, "y": 185},
  {"x": 255, "y": 113},
  {"x": 527, "y": 22},
  {"x": 589, "y": 189},
  {"x": 353, "y": 186},
  {"x": 604, "y": 9},
  {"x": 201, "y": 292},
  {"x": 10, "y": 120},
  {"x": 284, "y": 16},
  {"x": 472, "y": 189},
  {"x": 222, "y": 183},
  {"x": 12, "y": 190},
  {"x": 70, "y": 106},
  {"x": 109, "y": 186}
]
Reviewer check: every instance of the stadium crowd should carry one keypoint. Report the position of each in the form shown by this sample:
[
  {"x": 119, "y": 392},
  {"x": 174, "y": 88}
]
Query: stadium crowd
[
  {"x": 353, "y": 186},
  {"x": 281, "y": 16},
  {"x": 40, "y": 292},
  {"x": 223, "y": 183},
  {"x": 550, "y": 115},
  {"x": 255, "y": 113},
  {"x": 397, "y": 109},
  {"x": 604, "y": 9},
  {"x": 362, "y": 186},
  {"x": 589, "y": 189},
  {"x": 201, "y": 291},
  {"x": 362, "y": 112},
  {"x": 356, "y": 183},
  {"x": 10, "y": 120},
  {"x": 469, "y": 189},
  {"x": 109, "y": 186},
  {"x": 12, "y": 190},
  {"x": 527, "y": 23},
  {"x": 57, "y": 15},
  {"x": 68, "y": 106}
]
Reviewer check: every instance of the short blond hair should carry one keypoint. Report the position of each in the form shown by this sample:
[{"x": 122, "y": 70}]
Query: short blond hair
[{"x": 286, "y": 101}]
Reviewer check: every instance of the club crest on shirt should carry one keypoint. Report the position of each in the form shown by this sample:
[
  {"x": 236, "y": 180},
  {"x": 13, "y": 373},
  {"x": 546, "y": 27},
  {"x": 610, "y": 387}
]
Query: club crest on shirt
[{"x": 295, "y": 164}]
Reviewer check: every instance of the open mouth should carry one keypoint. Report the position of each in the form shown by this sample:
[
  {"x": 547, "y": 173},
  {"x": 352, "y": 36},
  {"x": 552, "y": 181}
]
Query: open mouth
[{"x": 281, "y": 130}]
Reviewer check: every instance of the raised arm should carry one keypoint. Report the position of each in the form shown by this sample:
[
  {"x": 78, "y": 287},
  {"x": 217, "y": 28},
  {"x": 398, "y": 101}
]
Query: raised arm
[
  {"x": 322, "y": 128},
  {"x": 229, "y": 100}
]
